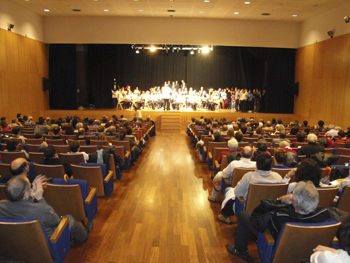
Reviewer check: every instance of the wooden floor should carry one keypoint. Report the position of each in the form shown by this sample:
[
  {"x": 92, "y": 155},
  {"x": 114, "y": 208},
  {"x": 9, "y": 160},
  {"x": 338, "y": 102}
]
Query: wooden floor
[{"x": 159, "y": 212}]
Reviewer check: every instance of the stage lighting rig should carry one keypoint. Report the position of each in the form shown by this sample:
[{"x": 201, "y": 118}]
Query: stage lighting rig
[{"x": 174, "y": 48}]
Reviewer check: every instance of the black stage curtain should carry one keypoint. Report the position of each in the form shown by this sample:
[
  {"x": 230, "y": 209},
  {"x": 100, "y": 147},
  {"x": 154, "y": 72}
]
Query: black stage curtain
[
  {"x": 62, "y": 74},
  {"x": 250, "y": 68}
]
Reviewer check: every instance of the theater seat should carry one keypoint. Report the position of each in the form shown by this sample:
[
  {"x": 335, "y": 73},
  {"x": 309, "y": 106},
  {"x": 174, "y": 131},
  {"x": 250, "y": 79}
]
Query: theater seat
[
  {"x": 26, "y": 240},
  {"x": 295, "y": 242},
  {"x": 72, "y": 196},
  {"x": 96, "y": 175}
]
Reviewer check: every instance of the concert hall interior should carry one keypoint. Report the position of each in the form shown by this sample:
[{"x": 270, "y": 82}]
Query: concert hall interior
[{"x": 78, "y": 54}]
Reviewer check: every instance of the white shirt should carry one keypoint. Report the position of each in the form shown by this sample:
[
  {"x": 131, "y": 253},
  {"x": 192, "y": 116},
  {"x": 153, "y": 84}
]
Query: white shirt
[
  {"x": 166, "y": 92},
  {"x": 243, "y": 163},
  {"x": 86, "y": 156},
  {"x": 338, "y": 256}
]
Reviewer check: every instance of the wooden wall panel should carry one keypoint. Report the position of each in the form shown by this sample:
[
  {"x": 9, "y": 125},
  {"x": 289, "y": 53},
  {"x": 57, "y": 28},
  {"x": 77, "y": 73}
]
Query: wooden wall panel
[
  {"x": 323, "y": 71},
  {"x": 23, "y": 64}
]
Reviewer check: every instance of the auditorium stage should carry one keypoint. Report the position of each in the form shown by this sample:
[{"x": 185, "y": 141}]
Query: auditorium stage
[{"x": 156, "y": 115}]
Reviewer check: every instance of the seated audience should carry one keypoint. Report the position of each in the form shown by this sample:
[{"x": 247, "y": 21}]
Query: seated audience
[
  {"x": 311, "y": 148},
  {"x": 263, "y": 174},
  {"x": 244, "y": 162},
  {"x": 51, "y": 158},
  {"x": 27, "y": 201},
  {"x": 280, "y": 155},
  {"x": 13, "y": 146},
  {"x": 301, "y": 206},
  {"x": 74, "y": 147},
  {"x": 281, "y": 138},
  {"x": 81, "y": 136},
  {"x": 261, "y": 148},
  {"x": 41, "y": 127},
  {"x": 232, "y": 146},
  {"x": 16, "y": 130}
]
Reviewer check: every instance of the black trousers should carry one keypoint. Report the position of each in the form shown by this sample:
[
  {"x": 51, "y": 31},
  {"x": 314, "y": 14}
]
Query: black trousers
[
  {"x": 243, "y": 229},
  {"x": 167, "y": 104}
]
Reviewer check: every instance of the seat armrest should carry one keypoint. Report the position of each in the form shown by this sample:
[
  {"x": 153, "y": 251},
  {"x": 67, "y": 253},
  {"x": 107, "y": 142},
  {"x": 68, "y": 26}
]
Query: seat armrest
[
  {"x": 59, "y": 230},
  {"x": 205, "y": 148},
  {"x": 90, "y": 196},
  {"x": 210, "y": 155},
  {"x": 127, "y": 154},
  {"x": 241, "y": 199},
  {"x": 133, "y": 149},
  {"x": 217, "y": 165},
  {"x": 108, "y": 177},
  {"x": 269, "y": 239},
  {"x": 227, "y": 181}
]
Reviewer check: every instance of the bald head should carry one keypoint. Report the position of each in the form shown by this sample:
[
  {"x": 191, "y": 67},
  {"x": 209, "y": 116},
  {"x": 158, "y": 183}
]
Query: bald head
[
  {"x": 247, "y": 152},
  {"x": 19, "y": 166}
]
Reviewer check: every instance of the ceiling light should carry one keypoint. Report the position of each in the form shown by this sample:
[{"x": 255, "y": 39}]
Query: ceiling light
[
  {"x": 247, "y": 3},
  {"x": 294, "y": 15},
  {"x": 152, "y": 48},
  {"x": 137, "y": 51},
  {"x": 192, "y": 52},
  {"x": 141, "y": 10},
  {"x": 211, "y": 48},
  {"x": 106, "y": 10},
  {"x": 206, "y": 1},
  {"x": 205, "y": 49},
  {"x": 46, "y": 10},
  {"x": 236, "y": 13},
  {"x": 201, "y": 12},
  {"x": 136, "y": 0}
]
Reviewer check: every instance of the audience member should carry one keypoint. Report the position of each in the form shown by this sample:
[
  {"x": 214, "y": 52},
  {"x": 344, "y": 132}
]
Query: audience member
[{"x": 263, "y": 174}]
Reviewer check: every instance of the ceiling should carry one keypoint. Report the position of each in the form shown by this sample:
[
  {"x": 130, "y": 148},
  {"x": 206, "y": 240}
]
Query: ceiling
[{"x": 282, "y": 10}]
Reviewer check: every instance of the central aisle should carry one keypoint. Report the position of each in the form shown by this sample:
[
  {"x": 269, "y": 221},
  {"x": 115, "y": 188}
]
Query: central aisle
[{"x": 159, "y": 212}]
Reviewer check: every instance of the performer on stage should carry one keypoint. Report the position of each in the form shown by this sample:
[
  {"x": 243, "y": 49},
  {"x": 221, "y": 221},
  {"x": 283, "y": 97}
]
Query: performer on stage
[{"x": 166, "y": 90}]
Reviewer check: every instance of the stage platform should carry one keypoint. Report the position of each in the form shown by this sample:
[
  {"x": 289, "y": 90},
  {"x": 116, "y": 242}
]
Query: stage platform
[{"x": 156, "y": 115}]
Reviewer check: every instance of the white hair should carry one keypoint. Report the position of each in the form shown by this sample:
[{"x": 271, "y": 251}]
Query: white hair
[
  {"x": 331, "y": 126},
  {"x": 337, "y": 128},
  {"x": 306, "y": 196},
  {"x": 312, "y": 137},
  {"x": 232, "y": 144},
  {"x": 261, "y": 124}
]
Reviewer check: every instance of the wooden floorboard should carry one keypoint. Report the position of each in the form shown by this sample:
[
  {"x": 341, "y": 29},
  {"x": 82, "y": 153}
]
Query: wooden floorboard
[{"x": 159, "y": 212}]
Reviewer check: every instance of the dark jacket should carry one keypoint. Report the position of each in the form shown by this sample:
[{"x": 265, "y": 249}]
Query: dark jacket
[{"x": 310, "y": 149}]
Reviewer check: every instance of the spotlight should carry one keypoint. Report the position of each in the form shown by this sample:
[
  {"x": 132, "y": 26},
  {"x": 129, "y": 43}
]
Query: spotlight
[
  {"x": 192, "y": 52},
  {"x": 330, "y": 33},
  {"x": 346, "y": 19},
  {"x": 205, "y": 49},
  {"x": 10, "y": 26},
  {"x": 199, "y": 51},
  {"x": 152, "y": 48},
  {"x": 211, "y": 48},
  {"x": 137, "y": 51},
  {"x": 178, "y": 49}
]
